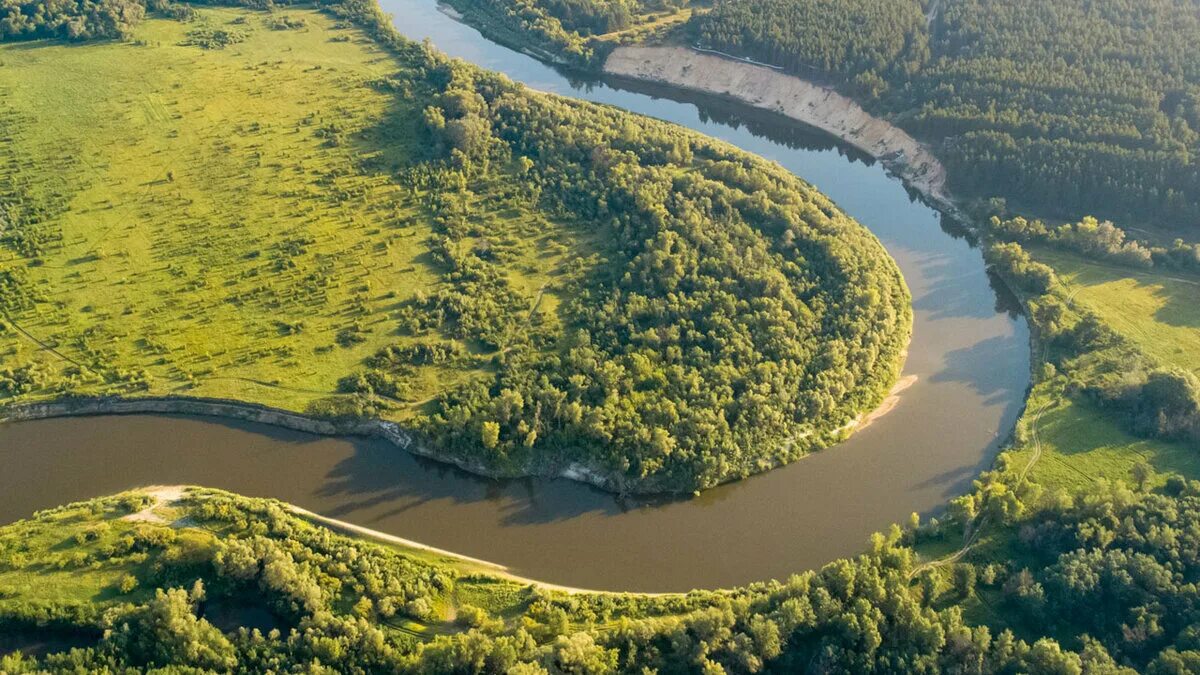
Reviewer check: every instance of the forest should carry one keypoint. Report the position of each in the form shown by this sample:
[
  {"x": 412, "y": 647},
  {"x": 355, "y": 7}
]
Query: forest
[
  {"x": 1061, "y": 107},
  {"x": 526, "y": 281}
]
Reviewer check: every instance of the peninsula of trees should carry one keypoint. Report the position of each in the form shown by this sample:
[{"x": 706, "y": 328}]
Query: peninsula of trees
[{"x": 527, "y": 282}]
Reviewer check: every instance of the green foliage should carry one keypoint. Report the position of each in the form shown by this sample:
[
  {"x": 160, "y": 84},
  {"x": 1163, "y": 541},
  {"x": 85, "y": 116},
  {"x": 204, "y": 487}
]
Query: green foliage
[
  {"x": 529, "y": 23},
  {"x": 214, "y": 37},
  {"x": 71, "y": 19},
  {"x": 869, "y": 39},
  {"x": 166, "y": 631},
  {"x": 1064, "y": 106},
  {"x": 690, "y": 354},
  {"x": 574, "y": 32}
]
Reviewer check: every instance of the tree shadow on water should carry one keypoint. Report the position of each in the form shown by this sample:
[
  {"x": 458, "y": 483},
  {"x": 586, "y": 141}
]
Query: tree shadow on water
[{"x": 380, "y": 481}]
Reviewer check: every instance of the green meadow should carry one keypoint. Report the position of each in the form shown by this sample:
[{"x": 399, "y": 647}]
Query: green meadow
[
  {"x": 1075, "y": 441},
  {"x": 224, "y": 217},
  {"x": 1157, "y": 310}
]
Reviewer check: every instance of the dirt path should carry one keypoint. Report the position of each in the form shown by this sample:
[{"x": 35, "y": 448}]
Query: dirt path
[
  {"x": 162, "y": 495},
  {"x": 490, "y": 568}
]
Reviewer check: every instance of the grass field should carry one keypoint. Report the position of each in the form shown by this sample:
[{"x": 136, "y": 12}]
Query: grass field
[
  {"x": 1079, "y": 445},
  {"x": 1079, "y": 442},
  {"x": 1158, "y": 311},
  {"x": 224, "y": 222}
]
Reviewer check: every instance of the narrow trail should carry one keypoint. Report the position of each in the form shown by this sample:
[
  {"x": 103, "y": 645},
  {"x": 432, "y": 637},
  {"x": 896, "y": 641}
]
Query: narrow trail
[
  {"x": 42, "y": 345},
  {"x": 932, "y": 14}
]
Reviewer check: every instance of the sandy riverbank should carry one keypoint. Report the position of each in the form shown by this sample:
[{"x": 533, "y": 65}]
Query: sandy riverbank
[
  {"x": 166, "y": 496},
  {"x": 791, "y": 96}
]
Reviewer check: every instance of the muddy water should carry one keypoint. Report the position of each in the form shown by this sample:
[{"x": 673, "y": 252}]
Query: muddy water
[{"x": 969, "y": 353}]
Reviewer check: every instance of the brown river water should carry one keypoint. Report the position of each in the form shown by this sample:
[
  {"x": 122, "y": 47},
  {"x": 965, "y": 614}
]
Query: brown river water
[{"x": 969, "y": 353}]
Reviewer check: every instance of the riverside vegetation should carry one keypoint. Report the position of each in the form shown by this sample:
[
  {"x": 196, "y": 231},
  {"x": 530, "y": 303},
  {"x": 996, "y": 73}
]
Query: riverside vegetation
[
  {"x": 1026, "y": 120},
  {"x": 211, "y": 582},
  {"x": 359, "y": 227}
]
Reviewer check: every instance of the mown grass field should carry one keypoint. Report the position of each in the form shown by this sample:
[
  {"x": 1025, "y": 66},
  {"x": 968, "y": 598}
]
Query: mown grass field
[{"x": 225, "y": 222}]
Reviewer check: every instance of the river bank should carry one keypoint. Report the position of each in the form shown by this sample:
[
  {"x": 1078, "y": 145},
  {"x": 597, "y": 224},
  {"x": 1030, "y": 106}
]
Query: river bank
[
  {"x": 168, "y": 496},
  {"x": 766, "y": 88},
  {"x": 393, "y": 433}
]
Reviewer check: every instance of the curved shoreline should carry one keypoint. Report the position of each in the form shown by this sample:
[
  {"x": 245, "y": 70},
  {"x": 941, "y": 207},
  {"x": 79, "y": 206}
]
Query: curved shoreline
[
  {"x": 392, "y": 432},
  {"x": 170, "y": 495},
  {"x": 767, "y": 88},
  {"x": 244, "y": 411}
]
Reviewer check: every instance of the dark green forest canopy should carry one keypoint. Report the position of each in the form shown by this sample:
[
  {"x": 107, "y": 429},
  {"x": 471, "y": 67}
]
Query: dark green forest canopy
[
  {"x": 734, "y": 319},
  {"x": 730, "y": 319},
  {"x": 1062, "y": 106}
]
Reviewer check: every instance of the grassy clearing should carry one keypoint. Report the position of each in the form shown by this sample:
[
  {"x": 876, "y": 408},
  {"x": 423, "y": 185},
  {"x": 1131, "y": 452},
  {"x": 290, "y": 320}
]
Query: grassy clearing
[
  {"x": 1079, "y": 445},
  {"x": 1158, "y": 311},
  {"x": 54, "y": 559},
  {"x": 225, "y": 222}
]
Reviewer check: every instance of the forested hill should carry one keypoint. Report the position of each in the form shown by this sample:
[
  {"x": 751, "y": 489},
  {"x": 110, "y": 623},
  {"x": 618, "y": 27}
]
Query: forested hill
[
  {"x": 528, "y": 281},
  {"x": 1061, "y": 106}
]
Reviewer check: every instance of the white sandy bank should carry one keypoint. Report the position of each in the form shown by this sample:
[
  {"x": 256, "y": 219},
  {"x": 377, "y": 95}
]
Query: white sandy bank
[{"x": 799, "y": 99}]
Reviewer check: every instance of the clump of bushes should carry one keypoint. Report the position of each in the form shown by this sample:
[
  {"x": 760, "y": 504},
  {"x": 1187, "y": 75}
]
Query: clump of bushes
[
  {"x": 1157, "y": 403},
  {"x": 419, "y": 354},
  {"x": 285, "y": 22},
  {"x": 377, "y": 382},
  {"x": 212, "y": 37}
]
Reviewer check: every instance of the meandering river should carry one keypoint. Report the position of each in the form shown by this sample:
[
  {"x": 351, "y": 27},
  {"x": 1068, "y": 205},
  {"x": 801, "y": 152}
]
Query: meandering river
[{"x": 969, "y": 353}]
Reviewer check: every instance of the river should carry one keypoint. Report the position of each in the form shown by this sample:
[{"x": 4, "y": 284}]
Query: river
[{"x": 970, "y": 355}]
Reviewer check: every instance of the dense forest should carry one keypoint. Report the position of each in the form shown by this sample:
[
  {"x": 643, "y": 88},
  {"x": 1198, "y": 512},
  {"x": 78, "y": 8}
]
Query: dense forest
[
  {"x": 861, "y": 40},
  {"x": 700, "y": 345},
  {"x": 1063, "y": 107},
  {"x": 718, "y": 316}
]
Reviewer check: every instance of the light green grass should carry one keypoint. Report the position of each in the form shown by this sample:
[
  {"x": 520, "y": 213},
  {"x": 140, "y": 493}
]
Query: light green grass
[
  {"x": 1158, "y": 311},
  {"x": 52, "y": 559},
  {"x": 1080, "y": 444},
  {"x": 208, "y": 199}
]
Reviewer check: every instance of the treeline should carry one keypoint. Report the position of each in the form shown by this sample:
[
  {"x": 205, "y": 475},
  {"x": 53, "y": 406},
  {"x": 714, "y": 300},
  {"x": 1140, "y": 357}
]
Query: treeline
[
  {"x": 71, "y": 19},
  {"x": 1060, "y": 106},
  {"x": 561, "y": 30},
  {"x": 94, "y": 19},
  {"x": 529, "y": 24},
  {"x": 1108, "y": 572},
  {"x": 1099, "y": 240},
  {"x": 870, "y": 42}
]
